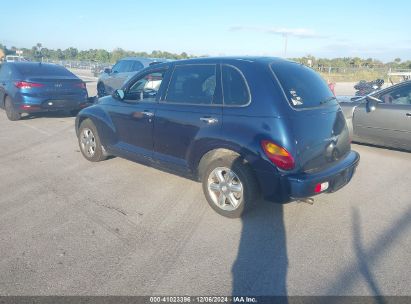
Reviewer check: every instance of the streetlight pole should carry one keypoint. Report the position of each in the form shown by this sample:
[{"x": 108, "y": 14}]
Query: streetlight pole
[{"x": 285, "y": 44}]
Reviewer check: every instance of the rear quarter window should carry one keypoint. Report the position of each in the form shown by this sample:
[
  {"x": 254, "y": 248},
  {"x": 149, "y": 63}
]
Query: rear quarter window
[
  {"x": 235, "y": 89},
  {"x": 303, "y": 87}
]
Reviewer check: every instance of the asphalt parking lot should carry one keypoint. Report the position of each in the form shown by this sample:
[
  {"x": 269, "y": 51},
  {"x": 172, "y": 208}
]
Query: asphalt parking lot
[{"x": 71, "y": 227}]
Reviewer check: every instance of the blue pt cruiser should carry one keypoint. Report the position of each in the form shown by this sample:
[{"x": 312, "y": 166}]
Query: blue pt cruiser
[{"x": 244, "y": 127}]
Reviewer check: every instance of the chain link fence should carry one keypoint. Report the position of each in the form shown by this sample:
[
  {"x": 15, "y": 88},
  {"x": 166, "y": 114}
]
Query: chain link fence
[
  {"x": 333, "y": 74},
  {"x": 95, "y": 67}
]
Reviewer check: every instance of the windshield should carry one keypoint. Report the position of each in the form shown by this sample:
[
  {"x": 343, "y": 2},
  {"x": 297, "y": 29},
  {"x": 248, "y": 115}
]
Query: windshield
[{"x": 303, "y": 87}]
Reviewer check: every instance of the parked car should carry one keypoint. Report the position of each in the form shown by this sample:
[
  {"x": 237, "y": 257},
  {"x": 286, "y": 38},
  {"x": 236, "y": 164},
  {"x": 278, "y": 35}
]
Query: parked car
[
  {"x": 382, "y": 118},
  {"x": 242, "y": 126},
  {"x": 113, "y": 78},
  {"x": 14, "y": 58},
  {"x": 31, "y": 87}
]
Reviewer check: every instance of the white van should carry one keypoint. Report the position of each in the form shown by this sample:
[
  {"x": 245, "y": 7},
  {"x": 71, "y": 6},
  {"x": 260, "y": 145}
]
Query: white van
[{"x": 14, "y": 58}]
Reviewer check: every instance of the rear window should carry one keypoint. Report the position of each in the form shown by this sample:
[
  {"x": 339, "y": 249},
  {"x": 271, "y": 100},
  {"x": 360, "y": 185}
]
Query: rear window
[
  {"x": 39, "y": 69},
  {"x": 304, "y": 87}
]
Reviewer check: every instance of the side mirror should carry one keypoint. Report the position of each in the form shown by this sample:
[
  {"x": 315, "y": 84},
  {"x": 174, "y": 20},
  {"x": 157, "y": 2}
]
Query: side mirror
[
  {"x": 119, "y": 94},
  {"x": 372, "y": 103},
  {"x": 107, "y": 70}
]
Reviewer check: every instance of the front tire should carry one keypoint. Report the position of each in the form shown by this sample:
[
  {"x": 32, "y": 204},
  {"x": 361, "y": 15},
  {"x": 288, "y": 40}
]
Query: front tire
[
  {"x": 11, "y": 113},
  {"x": 89, "y": 142},
  {"x": 229, "y": 186}
]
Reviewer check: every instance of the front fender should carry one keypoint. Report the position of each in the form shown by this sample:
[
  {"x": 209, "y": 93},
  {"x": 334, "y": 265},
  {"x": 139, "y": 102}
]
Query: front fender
[{"x": 101, "y": 120}]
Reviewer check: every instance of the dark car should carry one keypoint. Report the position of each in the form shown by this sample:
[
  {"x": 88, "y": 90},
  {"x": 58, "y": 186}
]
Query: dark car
[
  {"x": 114, "y": 78},
  {"x": 382, "y": 118},
  {"x": 31, "y": 87},
  {"x": 242, "y": 126}
]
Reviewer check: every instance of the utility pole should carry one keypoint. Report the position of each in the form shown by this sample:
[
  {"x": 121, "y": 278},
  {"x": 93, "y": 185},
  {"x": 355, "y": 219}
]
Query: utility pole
[{"x": 285, "y": 35}]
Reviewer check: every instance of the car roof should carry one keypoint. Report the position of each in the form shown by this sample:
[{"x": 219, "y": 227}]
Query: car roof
[
  {"x": 33, "y": 64},
  {"x": 214, "y": 60},
  {"x": 259, "y": 59},
  {"x": 141, "y": 59},
  {"x": 402, "y": 83}
]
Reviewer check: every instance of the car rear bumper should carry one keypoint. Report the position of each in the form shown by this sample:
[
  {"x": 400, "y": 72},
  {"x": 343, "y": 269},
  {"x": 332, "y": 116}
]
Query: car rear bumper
[
  {"x": 304, "y": 185},
  {"x": 47, "y": 105}
]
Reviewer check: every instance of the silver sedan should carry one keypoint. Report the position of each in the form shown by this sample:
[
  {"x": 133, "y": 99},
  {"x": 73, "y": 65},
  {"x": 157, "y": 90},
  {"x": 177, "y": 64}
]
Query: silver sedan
[{"x": 382, "y": 118}]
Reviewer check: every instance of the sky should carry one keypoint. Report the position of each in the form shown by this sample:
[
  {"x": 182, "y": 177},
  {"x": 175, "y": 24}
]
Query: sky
[{"x": 349, "y": 28}]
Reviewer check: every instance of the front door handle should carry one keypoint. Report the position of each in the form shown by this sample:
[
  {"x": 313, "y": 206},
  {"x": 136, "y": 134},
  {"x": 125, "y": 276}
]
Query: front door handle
[
  {"x": 148, "y": 113},
  {"x": 408, "y": 114},
  {"x": 209, "y": 120}
]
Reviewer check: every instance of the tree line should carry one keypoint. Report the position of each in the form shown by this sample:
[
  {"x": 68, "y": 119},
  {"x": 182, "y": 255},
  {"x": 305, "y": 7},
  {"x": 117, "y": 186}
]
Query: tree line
[
  {"x": 39, "y": 53},
  {"x": 352, "y": 62}
]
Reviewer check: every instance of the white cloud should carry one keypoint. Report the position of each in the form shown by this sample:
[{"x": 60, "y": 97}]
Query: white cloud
[{"x": 295, "y": 32}]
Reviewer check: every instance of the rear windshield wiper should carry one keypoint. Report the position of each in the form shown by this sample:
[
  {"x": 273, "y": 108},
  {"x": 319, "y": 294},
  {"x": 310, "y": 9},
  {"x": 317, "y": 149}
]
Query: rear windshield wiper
[{"x": 327, "y": 100}]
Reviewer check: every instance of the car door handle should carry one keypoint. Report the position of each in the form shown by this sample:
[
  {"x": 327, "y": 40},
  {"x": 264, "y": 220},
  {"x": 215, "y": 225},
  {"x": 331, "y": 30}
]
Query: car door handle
[
  {"x": 408, "y": 114},
  {"x": 148, "y": 113},
  {"x": 209, "y": 120}
]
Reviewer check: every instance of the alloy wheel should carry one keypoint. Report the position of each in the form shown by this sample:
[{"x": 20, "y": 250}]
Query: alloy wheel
[
  {"x": 88, "y": 142},
  {"x": 225, "y": 188}
]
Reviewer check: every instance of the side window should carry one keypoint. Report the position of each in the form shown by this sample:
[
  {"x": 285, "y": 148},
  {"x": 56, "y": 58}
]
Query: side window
[
  {"x": 146, "y": 87},
  {"x": 192, "y": 84},
  {"x": 235, "y": 90},
  {"x": 401, "y": 95},
  {"x": 118, "y": 67},
  {"x": 137, "y": 66},
  {"x": 127, "y": 66}
]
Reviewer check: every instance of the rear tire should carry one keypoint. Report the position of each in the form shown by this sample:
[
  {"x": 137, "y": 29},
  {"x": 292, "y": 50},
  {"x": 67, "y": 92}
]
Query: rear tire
[
  {"x": 11, "y": 113},
  {"x": 89, "y": 142},
  {"x": 229, "y": 186}
]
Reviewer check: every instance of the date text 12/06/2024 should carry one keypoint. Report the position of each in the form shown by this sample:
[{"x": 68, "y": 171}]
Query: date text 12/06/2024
[{"x": 202, "y": 299}]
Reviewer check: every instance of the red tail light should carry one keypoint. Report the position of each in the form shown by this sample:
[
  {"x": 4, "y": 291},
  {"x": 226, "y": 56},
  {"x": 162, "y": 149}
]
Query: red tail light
[
  {"x": 27, "y": 85},
  {"x": 80, "y": 85},
  {"x": 278, "y": 155},
  {"x": 29, "y": 107}
]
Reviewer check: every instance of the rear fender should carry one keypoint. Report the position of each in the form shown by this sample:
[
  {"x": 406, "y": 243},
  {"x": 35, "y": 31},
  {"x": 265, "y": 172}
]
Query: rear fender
[{"x": 206, "y": 149}]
